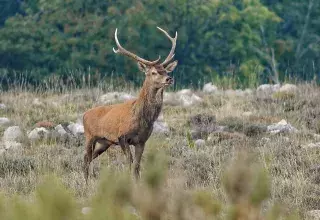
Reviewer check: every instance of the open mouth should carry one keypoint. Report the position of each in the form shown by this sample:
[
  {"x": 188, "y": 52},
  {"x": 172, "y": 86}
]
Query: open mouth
[{"x": 168, "y": 83}]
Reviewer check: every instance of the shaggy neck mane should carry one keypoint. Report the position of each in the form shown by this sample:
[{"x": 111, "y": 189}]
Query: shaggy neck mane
[{"x": 149, "y": 103}]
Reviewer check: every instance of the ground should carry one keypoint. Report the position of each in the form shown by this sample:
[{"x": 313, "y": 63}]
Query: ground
[{"x": 290, "y": 163}]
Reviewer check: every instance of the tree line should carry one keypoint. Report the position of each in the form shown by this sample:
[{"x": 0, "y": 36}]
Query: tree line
[{"x": 245, "y": 41}]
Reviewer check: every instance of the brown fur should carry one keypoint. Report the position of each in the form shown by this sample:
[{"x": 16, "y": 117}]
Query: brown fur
[{"x": 129, "y": 123}]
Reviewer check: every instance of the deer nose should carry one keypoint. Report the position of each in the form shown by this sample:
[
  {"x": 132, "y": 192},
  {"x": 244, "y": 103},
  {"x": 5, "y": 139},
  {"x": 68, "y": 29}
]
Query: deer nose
[{"x": 169, "y": 79}]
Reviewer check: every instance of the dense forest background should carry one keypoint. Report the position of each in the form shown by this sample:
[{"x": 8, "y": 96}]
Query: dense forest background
[{"x": 247, "y": 42}]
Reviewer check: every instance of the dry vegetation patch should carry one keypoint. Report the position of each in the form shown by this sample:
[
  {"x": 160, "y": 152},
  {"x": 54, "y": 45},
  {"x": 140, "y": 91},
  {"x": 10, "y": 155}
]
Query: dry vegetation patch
[{"x": 199, "y": 181}]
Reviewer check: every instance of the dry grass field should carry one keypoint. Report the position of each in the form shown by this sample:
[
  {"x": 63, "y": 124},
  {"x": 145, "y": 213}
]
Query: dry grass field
[{"x": 239, "y": 172}]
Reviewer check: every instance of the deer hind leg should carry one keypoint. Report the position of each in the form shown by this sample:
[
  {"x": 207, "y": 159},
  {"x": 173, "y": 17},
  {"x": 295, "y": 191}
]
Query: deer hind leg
[
  {"x": 90, "y": 142},
  {"x": 125, "y": 147},
  {"x": 93, "y": 151},
  {"x": 103, "y": 145}
]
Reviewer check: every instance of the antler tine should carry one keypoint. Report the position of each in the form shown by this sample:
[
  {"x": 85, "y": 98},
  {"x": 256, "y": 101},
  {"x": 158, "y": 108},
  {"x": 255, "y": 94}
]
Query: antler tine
[
  {"x": 123, "y": 51},
  {"x": 174, "y": 43}
]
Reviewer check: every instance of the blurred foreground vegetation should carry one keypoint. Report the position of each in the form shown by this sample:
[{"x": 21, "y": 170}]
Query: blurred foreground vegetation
[
  {"x": 118, "y": 197},
  {"x": 246, "y": 42}
]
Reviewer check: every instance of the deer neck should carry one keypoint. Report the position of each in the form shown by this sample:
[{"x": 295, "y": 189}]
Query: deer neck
[{"x": 149, "y": 103}]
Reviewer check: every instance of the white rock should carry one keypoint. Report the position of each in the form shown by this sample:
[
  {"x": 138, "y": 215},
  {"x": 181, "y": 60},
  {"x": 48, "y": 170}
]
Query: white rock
[
  {"x": 4, "y": 122},
  {"x": 185, "y": 92},
  {"x": 113, "y": 97},
  {"x": 189, "y": 100},
  {"x": 312, "y": 146},
  {"x": 316, "y": 136},
  {"x": 247, "y": 114},
  {"x": 160, "y": 118},
  {"x": 38, "y": 134},
  {"x": 76, "y": 129},
  {"x": 281, "y": 127},
  {"x": 2, "y": 106},
  {"x": 37, "y": 102},
  {"x": 289, "y": 88},
  {"x": 86, "y": 210},
  {"x": 160, "y": 127},
  {"x": 61, "y": 131},
  {"x": 169, "y": 98},
  {"x": 314, "y": 214},
  {"x": 2, "y": 151},
  {"x": 248, "y": 92},
  {"x": 200, "y": 143},
  {"x": 184, "y": 97},
  {"x": 237, "y": 92},
  {"x": 12, "y": 145},
  {"x": 266, "y": 90},
  {"x": 209, "y": 88},
  {"x": 13, "y": 133}
]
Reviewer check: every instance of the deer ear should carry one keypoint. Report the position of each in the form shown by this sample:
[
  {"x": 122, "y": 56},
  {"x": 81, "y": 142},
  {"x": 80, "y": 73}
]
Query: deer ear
[
  {"x": 143, "y": 67},
  {"x": 171, "y": 66}
]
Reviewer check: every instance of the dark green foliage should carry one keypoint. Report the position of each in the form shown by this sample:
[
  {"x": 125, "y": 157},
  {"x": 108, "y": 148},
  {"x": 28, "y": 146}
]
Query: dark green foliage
[
  {"x": 243, "y": 41},
  {"x": 214, "y": 37}
]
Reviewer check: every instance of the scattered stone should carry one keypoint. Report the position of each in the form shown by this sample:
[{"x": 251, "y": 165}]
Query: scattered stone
[
  {"x": 160, "y": 117},
  {"x": 4, "y": 122},
  {"x": 185, "y": 92},
  {"x": 312, "y": 146},
  {"x": 76, "y": 129},
  {"x": 62, "y": 133},
  {"x": 281, "y": 127},
  {"x": 316, "y": 136},
  {"x": 113, "y": 97},
  {"x": 38, "y": 103},
  {"x": 289, "y": 88},
  {"x": 13, "y": 133},
  {"x": 266, "y": 90},
  {"x": 2, "y": 151},
  {"x": 184, "y": 97},
  {"x": 12, "y": 145},
  {"x": 314, "y": 214},
  {"x": 187, "y": 101},
  {"x": 170, "y": 99},
  {"x": 200, "y": 142},
  {"x": 160, "y": 127},
  {"x": 39, "y": 134},
  {"x": 247, "y": 114},
  {"x": 209, "y": 88},
  {"x": 2, "y": 106},
  {"x": 187, "y": 98},
  {"x": 248, "y": 92},
  {"x": 45, "y": 124},
  {"x": 86, "y": 210}
]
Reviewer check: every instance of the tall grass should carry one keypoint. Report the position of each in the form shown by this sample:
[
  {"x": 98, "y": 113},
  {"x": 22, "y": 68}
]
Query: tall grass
[{"x": 277, "y": 176}]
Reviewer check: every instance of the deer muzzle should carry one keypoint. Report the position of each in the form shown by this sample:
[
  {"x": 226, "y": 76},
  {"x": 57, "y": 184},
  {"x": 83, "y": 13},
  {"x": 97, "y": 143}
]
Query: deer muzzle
[{"x": 169, "y": 80}]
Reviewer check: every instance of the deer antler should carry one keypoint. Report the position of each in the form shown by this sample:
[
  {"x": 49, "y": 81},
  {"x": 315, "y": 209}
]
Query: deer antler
[
  {"x": 123, "y": 51},
  {"x": 174, "y": 43}
]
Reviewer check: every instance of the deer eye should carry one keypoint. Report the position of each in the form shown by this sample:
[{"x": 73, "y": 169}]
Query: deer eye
[{"x": 154, "y": 73}]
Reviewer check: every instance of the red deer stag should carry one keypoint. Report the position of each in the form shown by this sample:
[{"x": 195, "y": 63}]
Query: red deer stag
[{"x": 131, "y": 122}]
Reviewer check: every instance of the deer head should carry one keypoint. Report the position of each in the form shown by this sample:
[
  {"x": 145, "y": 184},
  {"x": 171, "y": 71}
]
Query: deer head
[{"x": 156, "y": 72}]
